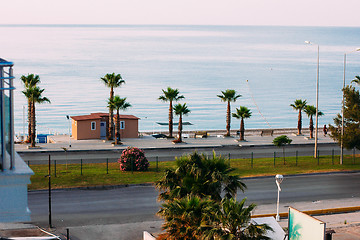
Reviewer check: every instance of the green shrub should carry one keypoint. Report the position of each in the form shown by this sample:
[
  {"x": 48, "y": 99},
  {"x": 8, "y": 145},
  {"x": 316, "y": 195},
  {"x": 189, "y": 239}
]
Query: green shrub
[{"x": 135, "y": 156}]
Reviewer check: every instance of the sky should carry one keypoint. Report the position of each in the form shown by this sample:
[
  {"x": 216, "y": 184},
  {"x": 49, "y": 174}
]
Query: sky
[{"x": 184, "y": 12}]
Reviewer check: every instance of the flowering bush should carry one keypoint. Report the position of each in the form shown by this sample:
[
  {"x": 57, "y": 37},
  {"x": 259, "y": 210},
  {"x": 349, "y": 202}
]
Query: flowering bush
[{"x": 133, "y": 155}]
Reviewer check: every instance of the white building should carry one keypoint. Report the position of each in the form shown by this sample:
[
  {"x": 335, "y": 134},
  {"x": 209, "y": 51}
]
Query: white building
[{"x": 14, "y": 172}]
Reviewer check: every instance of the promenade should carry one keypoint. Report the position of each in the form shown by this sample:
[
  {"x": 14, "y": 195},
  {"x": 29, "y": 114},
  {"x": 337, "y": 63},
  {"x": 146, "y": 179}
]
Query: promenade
[{"x": 58, "y": 142}]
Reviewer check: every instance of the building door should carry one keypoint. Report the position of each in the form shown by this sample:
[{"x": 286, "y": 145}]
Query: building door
[{"x": 102, "y": 130}]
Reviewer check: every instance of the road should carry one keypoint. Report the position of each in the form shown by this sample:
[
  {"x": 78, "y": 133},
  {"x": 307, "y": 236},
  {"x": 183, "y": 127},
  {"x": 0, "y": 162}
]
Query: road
[
  {"x": 170, "y": 154},
  {"x": 138, "y": 203}
]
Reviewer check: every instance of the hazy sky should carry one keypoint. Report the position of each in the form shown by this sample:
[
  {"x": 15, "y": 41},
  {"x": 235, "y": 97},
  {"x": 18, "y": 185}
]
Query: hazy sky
[{"x": 209, "y": 12}]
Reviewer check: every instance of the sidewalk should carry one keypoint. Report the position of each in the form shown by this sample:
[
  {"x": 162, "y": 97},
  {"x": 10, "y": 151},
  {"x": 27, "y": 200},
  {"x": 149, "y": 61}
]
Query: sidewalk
[{"x": 149, "y": 142}]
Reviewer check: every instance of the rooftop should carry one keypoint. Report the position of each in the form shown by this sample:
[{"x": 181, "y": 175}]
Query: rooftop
[
  {"x": 94, "y": 116},
  {"x": 5, "y": 63}
]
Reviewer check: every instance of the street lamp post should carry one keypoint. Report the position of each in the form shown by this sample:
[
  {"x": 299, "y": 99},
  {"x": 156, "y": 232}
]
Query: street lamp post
[
  {"x": 342, "y": 111},
  {"x": 278, "y": 179},
  {"x": 317, "y": 98},
  {"x": 68, "y": 118}
]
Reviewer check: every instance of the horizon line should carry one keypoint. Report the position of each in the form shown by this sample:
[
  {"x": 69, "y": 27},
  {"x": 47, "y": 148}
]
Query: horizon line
[{"x": 154, "y": 24}]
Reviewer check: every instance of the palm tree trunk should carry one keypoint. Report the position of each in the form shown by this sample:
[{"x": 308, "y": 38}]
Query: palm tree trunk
[
  {"x": 299, "y": 122},
  {"x": 170, "y": 120},
  {"x": 311, "y": 127},
  {"x": 29, "y": 120},
  {"x": 33, "y": 125},
  {"x": 180, "y": 128},
  {"x": 117, "y": 128},
  {"x": 111, "y": 117},
  {"x": 228, "y": 119},
  {"x": 242, "y": 130},
  {"x": 284, "y": 154}
]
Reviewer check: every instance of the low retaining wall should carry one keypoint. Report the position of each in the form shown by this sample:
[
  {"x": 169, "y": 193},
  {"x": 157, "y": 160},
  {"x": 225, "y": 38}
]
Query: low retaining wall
[{"x": 248, "y": 132}]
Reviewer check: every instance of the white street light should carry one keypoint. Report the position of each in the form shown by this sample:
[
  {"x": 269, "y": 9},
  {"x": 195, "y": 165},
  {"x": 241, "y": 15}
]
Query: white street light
[
  {"x": 317, "y": 98},
  {"x": 342, "y": 111},
  {"x": 278, "y": 179},
  {"x": 68, "y": 118}
]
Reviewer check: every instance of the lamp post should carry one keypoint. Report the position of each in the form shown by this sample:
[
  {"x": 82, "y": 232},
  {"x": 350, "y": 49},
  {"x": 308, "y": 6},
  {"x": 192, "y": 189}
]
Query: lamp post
[
  {"x": 317, "y": 98},
  {"x": 342, "y": 111},
  {"x": 68, "y": 118},
  {"x": 278, "y": 179}
]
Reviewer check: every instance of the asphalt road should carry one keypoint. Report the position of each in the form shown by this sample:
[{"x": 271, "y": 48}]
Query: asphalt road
[
  {"x": 138, "y": 203},
  {"x": 170, "y": 154}
]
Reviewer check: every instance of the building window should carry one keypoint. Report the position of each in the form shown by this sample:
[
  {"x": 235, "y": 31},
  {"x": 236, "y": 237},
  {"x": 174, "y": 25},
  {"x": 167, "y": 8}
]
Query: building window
[
  {"x": 122, "y": 124},
  {"x": 93, "y": 125}
]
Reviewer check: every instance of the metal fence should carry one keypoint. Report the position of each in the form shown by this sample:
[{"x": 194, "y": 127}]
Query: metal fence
[{"x": 247, "y": 160}]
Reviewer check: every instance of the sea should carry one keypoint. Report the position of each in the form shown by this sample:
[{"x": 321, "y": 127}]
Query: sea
[{"x": 270, "y": 66}]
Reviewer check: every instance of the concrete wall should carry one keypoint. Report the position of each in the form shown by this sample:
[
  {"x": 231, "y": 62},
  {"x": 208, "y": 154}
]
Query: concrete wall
[
  {"x": 13, "y": 192},
  {"x": 131, "y": 128},
  {"x": 82, "y": 129},
  {"x": 147, "y": 236}
]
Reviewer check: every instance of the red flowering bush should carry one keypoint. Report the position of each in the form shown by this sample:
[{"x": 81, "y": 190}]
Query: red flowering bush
[{"x": 135, "y": 156}]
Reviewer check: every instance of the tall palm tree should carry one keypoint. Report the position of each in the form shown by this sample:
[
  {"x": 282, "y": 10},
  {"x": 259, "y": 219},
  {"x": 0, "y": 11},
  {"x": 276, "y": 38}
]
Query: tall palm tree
[
  {"x": 171, "y": 95},
  {"x": 118, "y": 104},
  {"x": 356, "y": 80},
  {"x": 229, "y": 95},
  {"x": 180, "y": 110},
  {"x": 310, "y": 111},
  {"x": 299, "y": 105},
  {"x": 112, "y": 81},
  {"x": 200, "y": 175},
  {"x": 233, "y": 222},
  {"x": 241, "y": 113},
  {"x": 29, "y": 81},
  {"x": 35, "y": 96}
]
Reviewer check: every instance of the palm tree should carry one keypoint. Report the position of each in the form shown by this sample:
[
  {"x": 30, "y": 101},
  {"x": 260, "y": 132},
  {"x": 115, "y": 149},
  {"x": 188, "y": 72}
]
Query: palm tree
[
  {"x": 299, "y": 105},
  {"x": 180, "y": 110},
  {"x": 184, "y": 218},
  {"x": 233, "y": 222},
  {"x": 199, "y": 175},
  {"x": 35, "y": 96},
  {"x": 241, "y": 113},
  {"x": 118, "y": 104},
  {"x": 281, "y": 141},
  {"x": 112, "y": 81},
  {"x": 29, "y": 81},
  {"x": 229, "y": 95},
  {"x": 310, "y": 111},
  {"x": 171, "y": 95},
  {"x": 356, "y": 80}
]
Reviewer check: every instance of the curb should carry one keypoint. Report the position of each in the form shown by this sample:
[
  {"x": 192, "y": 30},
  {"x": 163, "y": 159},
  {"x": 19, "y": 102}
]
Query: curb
[{"x": 315, "y": 212}]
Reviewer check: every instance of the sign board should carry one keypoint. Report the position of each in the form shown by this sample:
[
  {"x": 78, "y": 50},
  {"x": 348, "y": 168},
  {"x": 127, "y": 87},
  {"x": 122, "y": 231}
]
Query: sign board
[{"x": 304, "y": 227}]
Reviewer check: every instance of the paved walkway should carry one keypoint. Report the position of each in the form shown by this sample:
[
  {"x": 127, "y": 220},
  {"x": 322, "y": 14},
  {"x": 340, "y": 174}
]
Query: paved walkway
[{"x": 146, "y": 142}]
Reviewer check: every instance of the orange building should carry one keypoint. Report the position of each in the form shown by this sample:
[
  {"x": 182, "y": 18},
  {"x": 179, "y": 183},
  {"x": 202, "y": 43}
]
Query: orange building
[{"x": 94, "y": 126}]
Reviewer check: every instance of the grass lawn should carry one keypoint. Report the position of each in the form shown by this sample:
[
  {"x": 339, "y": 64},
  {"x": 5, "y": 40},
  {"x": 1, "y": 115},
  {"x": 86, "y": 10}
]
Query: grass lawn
[{"x": 96, "y": 173}]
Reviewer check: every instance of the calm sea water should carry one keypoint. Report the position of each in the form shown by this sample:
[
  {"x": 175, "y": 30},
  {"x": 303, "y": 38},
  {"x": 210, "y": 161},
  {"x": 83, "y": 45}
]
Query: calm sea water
[{"x": 199, "y": 60}]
